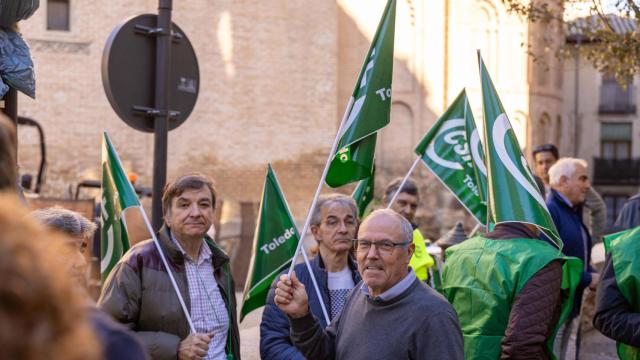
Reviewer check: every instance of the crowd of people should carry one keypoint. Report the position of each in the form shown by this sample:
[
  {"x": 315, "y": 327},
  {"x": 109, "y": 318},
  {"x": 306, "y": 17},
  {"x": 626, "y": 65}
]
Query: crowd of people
[{"x": 504, "y": 293}]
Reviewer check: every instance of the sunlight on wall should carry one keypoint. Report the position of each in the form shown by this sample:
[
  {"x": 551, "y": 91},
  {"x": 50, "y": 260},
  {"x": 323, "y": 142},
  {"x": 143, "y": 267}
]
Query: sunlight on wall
[{"x": 225, "y": 42}]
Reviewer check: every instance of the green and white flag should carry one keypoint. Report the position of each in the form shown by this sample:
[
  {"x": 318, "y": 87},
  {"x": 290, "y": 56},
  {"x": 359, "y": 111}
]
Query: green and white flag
[
  {"x": 477, "y": 153},
  {"x": 446, "y": 152},
  {"x": 363, "y": 193},
  {"x": 371, "y": 107},
  {"x": 274, "y": 245},
  {"x": 513, "y": 193},
  {"x": 117, "y": 196}
]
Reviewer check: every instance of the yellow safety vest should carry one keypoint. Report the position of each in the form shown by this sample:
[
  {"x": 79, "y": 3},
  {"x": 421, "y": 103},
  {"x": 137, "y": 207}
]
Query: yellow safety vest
[{"x": 421, "y": 261}]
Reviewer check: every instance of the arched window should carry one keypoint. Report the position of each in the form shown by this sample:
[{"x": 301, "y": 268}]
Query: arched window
[
  {"x": 485, "y": 33},
  {"x": 543, "y": 129},
  {"x": 558, "y": 130}
]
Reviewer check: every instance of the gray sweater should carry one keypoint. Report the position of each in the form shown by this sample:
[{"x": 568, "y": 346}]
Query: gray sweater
[{"x": 417, "y": 324}]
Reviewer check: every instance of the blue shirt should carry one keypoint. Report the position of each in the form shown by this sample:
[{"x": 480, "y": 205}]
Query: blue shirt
[{"x": 395, "y": 290}]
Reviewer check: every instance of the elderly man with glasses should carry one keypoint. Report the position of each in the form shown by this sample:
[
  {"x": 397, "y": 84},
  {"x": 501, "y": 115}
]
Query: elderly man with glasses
[
  {"x": 391, "y": 314},
  {"x": 333, "y": 226}
]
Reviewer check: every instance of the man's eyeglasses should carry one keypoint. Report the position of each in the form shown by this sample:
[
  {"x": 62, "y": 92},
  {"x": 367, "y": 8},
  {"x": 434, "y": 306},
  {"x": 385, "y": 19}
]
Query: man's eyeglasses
[
  {"x": 384, "y": 246},
  {"x": 333, "y": 223}
]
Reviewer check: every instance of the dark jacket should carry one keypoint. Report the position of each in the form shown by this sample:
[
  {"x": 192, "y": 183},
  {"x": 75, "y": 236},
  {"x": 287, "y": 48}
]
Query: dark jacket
[
  {"x": 568, "y": 221},
  {"x": 139, "y": 294},
  {"x": 536, "y": 308},
  {"x": 629, "y": 216},
  {"x": 275, "y": 340},
  {"x": 118, "y": 342},
  {"x": 614, "y": 315}
]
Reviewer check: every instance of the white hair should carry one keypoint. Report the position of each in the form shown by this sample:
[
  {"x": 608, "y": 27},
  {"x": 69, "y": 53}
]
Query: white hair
[{"x": 566, "y": 166}]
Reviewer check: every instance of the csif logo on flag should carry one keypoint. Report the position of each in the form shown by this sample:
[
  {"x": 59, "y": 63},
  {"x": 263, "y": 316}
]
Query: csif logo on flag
[
  {"x": 452, "y": 135},
  {"x": 383, "y": 93},
  {"x": 520, "y": 173},
  {"x": 476, "y": 150}
]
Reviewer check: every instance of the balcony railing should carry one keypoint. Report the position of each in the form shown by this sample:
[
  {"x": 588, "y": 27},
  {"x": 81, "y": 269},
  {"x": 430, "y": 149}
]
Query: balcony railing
[
  {"x": 616, "y": 100},
  {"x": 616, "y": 171}
]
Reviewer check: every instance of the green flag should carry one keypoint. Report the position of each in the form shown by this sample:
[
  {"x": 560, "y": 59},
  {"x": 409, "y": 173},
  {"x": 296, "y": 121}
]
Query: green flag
[
  {"x": 371, "y": 107},
  {"x": 363, "y": 193},
  {"x": 513, "y": 193},
  {"x": 477, "y": 153},
  {"x": 117, "y": 195},
  {"x": 274, "y": 245},
  {"x": 446, "y": 152}
]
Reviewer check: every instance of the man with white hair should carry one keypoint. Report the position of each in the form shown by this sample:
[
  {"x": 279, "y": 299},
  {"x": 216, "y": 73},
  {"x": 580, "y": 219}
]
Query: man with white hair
[
  {"x": 569, "y": 185},
  {"x": 390, "y": 314}
]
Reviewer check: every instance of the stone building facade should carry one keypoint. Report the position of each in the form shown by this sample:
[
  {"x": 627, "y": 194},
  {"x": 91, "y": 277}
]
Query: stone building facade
[
  {"x": 275, "y": 78},
  {"x": 608, "y": 124}
]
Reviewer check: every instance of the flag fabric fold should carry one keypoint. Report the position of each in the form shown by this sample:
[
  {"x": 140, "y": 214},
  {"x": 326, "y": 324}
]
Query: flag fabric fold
[
  {"x": 447, "y": 153},
  {"x": 363, "y": 194},
  {"x": 117, "y": 195},
  {"x": 274, "y": 245},
  {"x": 370, "y": 110},
  {"x": 513, "y": 193}
]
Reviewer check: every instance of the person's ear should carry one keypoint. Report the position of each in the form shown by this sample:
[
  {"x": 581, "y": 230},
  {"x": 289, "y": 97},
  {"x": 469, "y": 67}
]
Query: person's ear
[
  {"x": 315, "y": 229},
  {"x": 564, "y": 180},
  {"x": 410, "y": 250}
]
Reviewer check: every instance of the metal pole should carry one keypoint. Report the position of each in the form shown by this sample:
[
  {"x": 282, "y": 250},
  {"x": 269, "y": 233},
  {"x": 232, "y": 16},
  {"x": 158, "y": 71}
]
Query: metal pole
[
  {"x": 162, "y": 101},
  {"x": 11, "y": 110}
]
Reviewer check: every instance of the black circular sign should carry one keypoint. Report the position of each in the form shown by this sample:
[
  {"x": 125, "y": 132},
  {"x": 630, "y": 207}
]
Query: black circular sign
[{"x": 128, "y": 73}]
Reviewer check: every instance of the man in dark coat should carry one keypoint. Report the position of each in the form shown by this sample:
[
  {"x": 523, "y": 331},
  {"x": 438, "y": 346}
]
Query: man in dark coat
[{"x": 569, "y": 185}]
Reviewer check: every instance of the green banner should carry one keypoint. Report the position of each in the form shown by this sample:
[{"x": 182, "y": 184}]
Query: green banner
[
  {"x": 274, "y": 245},
  {"x": 513, "y": 193},
  {"x": 371, "y": 107},
  {"x": 363, "y": 193},
  {"x": 477, "y": 154},
  {"x": 446, "y": 152},
  {"x": 117, "y": 195}
]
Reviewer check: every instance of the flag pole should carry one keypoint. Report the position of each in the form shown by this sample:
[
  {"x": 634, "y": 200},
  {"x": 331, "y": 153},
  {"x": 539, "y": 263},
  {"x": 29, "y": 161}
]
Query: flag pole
[
  {"x": 404, "y": 181},
  {"x": 315, "y": 286},
  {"x": 332, "y": 153},
  {"x": 485, "y": 145},
  {"x": 323, "y": 306},
  {"x": 166, "y": 265}
]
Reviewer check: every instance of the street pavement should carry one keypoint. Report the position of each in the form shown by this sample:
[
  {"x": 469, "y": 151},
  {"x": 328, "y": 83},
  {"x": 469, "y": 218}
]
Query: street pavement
[{"x": 250, "y": 333}]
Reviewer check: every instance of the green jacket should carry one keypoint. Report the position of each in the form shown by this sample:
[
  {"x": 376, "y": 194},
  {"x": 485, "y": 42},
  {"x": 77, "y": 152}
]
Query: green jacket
[
  {"x": 138, "y": 293},
  {"x": 482, "y": 277},
  {"x": 624, "y": 248}
]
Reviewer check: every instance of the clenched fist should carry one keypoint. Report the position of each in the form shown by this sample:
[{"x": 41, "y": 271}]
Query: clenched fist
[
  {"x": 291, "y": 296},
  {"x": 195, "y": 346}
]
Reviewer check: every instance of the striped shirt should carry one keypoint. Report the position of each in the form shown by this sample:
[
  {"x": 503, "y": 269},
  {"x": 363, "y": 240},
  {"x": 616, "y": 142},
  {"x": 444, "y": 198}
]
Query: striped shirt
[{"x": 208, "y": 310}]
